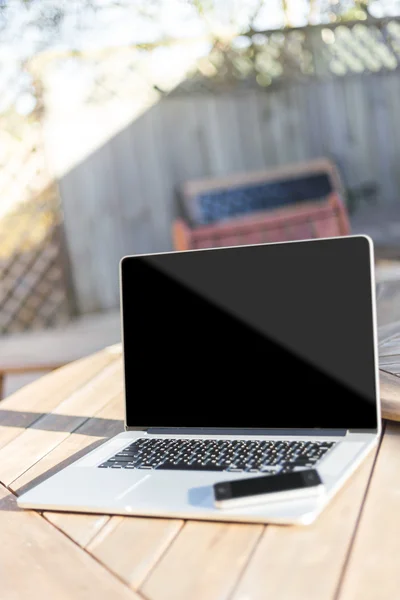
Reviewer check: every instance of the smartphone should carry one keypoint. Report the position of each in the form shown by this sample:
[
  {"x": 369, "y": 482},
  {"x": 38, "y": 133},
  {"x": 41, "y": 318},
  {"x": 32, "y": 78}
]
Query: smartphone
[{"x": 268, "y": 488}]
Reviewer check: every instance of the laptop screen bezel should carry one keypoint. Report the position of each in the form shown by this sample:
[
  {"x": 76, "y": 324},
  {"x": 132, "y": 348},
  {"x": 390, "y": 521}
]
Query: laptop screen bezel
[{"x": 316, "y": 241}]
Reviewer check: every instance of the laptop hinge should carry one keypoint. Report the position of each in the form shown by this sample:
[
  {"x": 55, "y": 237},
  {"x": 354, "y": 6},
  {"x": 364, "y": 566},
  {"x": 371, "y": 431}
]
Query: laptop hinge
[
  {"x": 352, "y": 431},
  {"x": 230, "y": 431}
]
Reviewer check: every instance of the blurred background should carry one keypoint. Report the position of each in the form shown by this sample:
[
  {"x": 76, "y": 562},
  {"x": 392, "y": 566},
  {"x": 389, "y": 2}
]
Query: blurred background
[{"x": 154, "y": 125}]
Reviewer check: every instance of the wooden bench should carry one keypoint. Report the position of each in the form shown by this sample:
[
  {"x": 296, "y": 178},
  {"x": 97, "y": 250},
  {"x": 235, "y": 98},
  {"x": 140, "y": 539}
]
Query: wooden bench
[{"x": 294, "y": 202}]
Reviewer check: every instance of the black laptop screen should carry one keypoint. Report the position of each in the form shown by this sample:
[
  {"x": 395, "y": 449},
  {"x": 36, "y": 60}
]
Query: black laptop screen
[{"x": 269, "y": 336}]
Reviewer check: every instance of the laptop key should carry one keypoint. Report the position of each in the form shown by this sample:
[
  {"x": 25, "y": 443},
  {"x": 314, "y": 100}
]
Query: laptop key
[{"x": 186, "y": 467}]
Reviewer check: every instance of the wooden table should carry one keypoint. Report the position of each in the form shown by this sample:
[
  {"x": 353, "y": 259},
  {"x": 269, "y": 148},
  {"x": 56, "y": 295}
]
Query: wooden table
[
  {"x": 388, "y": 309},
  {"x": 352, "y": 552}
]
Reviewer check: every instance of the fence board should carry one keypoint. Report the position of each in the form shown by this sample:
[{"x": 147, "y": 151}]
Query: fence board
[
  {"x": 229, "y": 138},
  {"x": 78, "y": 191},
  {"x": 313, "y": 119},
  {"x": 212, "y": 138},
  {"x": 105, "y": 220},
  {"x": 156, "y": 177},
  {"x": 301, "y": 130},
  {"x": 265, "y": 118},
  {"x": 382, "y": 138},
  {"x": 250, "y": 136},
  {"x": 278, "y": 116},
  {"x": 184, "y": 158},
  {"x": 359, "y": 155}
]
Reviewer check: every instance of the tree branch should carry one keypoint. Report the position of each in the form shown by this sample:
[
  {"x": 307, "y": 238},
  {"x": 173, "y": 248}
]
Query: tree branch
[{"x": 286, "y": 12}]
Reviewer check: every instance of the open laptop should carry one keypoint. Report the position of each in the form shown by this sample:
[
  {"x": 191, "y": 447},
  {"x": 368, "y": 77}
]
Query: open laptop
[{"x": 238, "y": 361}]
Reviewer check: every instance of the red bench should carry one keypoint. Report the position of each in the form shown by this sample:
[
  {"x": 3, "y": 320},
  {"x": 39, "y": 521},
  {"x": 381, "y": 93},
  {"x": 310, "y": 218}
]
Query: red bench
[{"x": 321, "y": 217}]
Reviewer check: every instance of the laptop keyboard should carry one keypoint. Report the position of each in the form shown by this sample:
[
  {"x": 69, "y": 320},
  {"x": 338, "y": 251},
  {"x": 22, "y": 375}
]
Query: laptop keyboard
[{"x": 253, "y": 456}]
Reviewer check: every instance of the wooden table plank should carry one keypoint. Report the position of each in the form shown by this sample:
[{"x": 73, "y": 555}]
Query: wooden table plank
[
  {"x": 38, "y": 562},
  {"x": 390, "y": 396},
  {"x": 22, "y": 409},
  {"x": 389, "y": 385},
  {"x": 306, "y": 562},
  {"x": 130, "y": 547},
  {"x": 205, "y": 561},
  {"x": 104, "y": 424},
  {"x": 390, "y": 364},
  {"x": 373, "y": 570},
  {"x": 388, "y": 309},
  {"x": 81, "y": 528},
  {"x": 108, "y": 422},
  {"x": 388, "y": 312},
  {"x": 51, "y": 429}
]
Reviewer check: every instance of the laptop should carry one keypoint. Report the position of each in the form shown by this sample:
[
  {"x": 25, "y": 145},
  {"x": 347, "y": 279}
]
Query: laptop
[{"x": 239, "y": 361}]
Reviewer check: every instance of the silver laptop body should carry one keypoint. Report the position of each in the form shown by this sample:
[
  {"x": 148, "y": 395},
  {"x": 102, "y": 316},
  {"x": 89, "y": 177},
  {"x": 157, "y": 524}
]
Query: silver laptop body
[{"x": 271, "y": 349}]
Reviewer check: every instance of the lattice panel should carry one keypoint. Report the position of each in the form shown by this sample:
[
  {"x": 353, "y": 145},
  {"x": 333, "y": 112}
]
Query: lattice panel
[
  {"x": 268, "y": 57},
  {"x": 33, "y": 288}
]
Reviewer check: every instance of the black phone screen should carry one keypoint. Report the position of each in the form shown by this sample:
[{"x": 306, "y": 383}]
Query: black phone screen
[{"x": 241, "y": 488}]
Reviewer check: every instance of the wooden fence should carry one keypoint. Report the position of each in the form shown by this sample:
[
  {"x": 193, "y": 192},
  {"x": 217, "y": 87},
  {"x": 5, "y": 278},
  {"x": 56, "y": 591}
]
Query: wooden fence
[{"x": 122, "y": 199}]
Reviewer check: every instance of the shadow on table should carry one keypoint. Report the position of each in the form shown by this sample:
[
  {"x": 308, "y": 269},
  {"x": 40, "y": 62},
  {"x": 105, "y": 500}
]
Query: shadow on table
[
  {"x": 9, "y": 503},
  {"x": 54, "y": 422},
  {"x": 58, "y": 467},
  {"x": 73, "y": 424}
]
